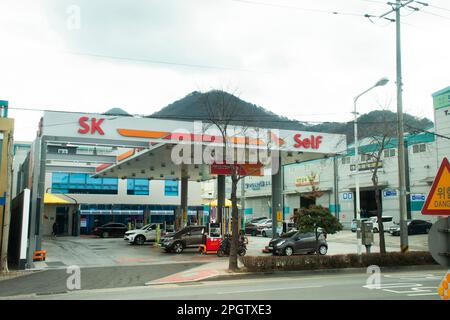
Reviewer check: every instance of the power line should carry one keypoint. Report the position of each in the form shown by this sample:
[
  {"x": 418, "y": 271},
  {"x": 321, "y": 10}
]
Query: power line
[
  {"x": 142, "y": 60},
  {"x": 436, "y": 15},
  {"x": 436, "y": 7},
  {"x": 426, "y": 131},
  {"x": 260, "y": 117},
  {"x": 260, "y": 3}
]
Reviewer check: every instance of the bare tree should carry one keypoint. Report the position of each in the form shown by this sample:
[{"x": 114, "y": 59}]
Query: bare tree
[
  {"x": 223, "y": 111},
  {"x": 379, "y": 143}
]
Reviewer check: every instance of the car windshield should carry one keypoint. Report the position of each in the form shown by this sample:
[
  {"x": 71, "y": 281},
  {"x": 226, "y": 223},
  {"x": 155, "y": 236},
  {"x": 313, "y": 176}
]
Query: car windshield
[
  {"x": 289, "y": 234},
  {"x": 145, "y": 227},
  {"x": 182, "y": 231}
]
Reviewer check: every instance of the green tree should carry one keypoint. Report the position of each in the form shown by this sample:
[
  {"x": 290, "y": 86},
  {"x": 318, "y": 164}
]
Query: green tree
[{"x": 317, "y": 216}]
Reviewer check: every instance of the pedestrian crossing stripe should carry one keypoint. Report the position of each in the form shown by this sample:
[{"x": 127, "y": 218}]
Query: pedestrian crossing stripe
[{"x": 438, "y": 200}]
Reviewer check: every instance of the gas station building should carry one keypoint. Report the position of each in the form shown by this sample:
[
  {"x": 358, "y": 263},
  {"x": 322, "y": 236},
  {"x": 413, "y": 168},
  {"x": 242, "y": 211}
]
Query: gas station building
[{"x": 127, "y": 157}]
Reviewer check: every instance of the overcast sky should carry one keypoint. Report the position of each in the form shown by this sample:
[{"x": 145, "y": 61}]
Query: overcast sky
[{"x": 306, "y": 65}]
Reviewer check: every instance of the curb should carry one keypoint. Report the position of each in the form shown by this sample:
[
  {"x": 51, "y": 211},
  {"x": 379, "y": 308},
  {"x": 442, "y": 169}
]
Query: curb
[
  {"x": 177, "y": 278},
  {"x": 253, "y": 275}
]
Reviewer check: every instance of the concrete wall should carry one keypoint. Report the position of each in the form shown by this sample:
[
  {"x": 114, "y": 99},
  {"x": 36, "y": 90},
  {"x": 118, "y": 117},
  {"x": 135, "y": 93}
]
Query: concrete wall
[{"x": 49, "y": 218}]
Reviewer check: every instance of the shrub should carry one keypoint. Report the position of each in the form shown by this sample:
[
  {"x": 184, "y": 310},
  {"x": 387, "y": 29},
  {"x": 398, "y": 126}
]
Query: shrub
[
  {"x": 317, "y": 216},
  {"x": 314, "y": 262}
]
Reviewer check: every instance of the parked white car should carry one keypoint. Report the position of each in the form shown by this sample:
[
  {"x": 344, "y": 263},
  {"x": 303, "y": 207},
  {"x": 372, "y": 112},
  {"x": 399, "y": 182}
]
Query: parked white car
[
  {"x": 387, "y": 223},
  {"x": 140, "y": 236}
]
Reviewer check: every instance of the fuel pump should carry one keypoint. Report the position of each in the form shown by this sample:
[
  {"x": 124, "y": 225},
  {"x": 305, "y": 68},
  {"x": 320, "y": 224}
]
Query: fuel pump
[{"x": 213, "y": 238}]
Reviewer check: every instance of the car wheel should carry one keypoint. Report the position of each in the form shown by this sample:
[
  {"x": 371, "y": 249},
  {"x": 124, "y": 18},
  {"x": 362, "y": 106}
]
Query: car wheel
[
  {"x": 264, "y": 234},
  {"x": 140, "y": 240},
  {"x": 242, "y": 252},
  {"x": 178, "y": 247},
  {"x": 220, "y": 253},
  {"x": 375, "y": 230},
  {"x": 105, "y": 234},
  {"x": 254, "y": 233},
  {"x": 288, "y": 251},
  {"x": 427, "y": 230},
  {"x": 323, "y": 250}
]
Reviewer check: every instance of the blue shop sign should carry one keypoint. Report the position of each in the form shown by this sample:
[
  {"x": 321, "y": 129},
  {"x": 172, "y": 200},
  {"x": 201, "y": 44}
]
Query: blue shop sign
[
  {"x": 417, "y": 197},
  {"x": 389, "y": 193}
]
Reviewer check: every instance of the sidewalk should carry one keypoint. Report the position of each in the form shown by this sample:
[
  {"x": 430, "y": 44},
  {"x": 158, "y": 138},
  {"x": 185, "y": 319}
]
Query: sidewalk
[{"x": 208, "y": 270}]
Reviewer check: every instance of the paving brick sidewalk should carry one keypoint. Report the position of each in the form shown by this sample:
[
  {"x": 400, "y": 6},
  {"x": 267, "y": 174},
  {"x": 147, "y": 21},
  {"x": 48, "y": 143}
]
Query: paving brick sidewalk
[{"x": 202, "y": 272}]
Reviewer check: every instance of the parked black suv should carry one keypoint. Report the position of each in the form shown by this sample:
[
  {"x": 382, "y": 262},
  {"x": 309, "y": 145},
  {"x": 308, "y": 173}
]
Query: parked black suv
[
  {"x": 111, "y": 229},
  {"x": 188, "y": 237}
]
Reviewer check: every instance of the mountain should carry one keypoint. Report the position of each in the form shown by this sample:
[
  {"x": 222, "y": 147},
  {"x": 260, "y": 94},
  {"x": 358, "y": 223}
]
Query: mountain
[
  {"x": 375, "y": 123},
  {"x": 198, "y": 106}
]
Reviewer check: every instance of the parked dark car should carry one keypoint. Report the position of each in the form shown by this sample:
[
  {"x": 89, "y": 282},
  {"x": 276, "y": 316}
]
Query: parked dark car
[
  {"x": 111, "y": 229},
  {"x": 296, "y": 242},
  {"x": 188, "y": 237},
  {"x": 415, "y": 226}
]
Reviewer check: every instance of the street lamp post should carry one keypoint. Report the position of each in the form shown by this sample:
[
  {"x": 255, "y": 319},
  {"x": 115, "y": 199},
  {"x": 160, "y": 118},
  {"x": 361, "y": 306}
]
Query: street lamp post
[{"x": 381, "y": 82}]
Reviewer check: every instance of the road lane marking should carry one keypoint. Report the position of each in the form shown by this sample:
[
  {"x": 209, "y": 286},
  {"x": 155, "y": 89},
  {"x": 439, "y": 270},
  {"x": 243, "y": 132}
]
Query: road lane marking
[
  {"x": 423, "y": 294},
  {"x": 271, "y": 289},
  {"x": 416, "y": 289}
]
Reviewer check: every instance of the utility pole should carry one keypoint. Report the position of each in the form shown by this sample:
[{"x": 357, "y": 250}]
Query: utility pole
[
  {"x": 401, "y": 145},
  {"x": 396, "y": 7}
]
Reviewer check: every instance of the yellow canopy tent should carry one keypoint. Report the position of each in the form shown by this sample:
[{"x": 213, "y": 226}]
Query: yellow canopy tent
[{"x": 53, "y": 199}]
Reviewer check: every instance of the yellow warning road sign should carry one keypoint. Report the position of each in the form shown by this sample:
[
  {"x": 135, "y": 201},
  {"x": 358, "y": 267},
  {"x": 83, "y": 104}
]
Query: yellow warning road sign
[{"x": 438, "y": 200}]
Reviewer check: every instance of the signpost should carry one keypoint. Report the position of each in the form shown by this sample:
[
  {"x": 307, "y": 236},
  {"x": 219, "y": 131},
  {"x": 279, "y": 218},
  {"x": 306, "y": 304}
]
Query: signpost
[
  {"x": 438, "y": 203},
  {"x": 438, "y": 200}
]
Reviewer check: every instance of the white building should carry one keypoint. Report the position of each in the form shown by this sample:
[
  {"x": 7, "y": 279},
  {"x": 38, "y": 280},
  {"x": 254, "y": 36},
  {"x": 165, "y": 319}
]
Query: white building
[
  {"x": 334, "y": 180},
  {"x": 441, "y": 104},
  {"x": 78, "y": 203}
]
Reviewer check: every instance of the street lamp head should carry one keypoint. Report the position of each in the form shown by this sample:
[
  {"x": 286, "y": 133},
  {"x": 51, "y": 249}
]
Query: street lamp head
[{"x": 382, "y": 82}]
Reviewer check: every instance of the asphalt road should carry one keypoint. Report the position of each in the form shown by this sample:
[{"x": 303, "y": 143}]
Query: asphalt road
[
  {"x": 411, "y": 285},
  {"x": 92, "y": 251},
  {"x": 55, "y": 280}
]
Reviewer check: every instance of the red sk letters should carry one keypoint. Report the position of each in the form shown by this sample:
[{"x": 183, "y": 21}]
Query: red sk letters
[{"x": 92, "y": 128}]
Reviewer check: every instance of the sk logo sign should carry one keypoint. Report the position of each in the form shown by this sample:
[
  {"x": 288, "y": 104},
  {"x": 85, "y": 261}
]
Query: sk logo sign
[{"x": 92, "y": 128}]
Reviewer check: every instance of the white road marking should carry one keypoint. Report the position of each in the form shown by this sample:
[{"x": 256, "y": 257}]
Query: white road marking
[
  {"x": 423, "y": 294},
  {"x": 271, "y": 289},
  {"x": 416, "y": 289}
]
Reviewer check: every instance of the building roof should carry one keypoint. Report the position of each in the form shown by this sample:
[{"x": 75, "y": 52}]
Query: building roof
[
  {"x": 438, "y": 93},
  {"x": 53, "y": 199}
]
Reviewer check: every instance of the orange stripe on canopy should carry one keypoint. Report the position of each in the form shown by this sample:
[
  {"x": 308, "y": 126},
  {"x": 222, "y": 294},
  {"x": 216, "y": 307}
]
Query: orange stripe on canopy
[{"x": 143, "y": 133}]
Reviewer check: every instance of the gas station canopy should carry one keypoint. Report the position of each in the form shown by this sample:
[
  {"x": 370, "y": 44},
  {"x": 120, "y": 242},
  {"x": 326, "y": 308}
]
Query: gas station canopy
[{"x": 156, "y": 144}]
